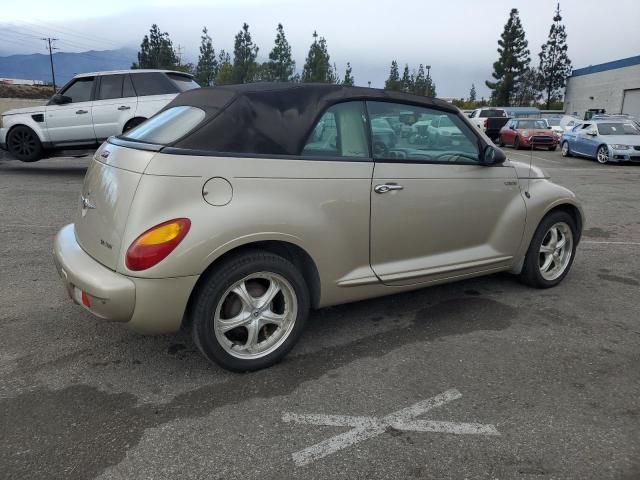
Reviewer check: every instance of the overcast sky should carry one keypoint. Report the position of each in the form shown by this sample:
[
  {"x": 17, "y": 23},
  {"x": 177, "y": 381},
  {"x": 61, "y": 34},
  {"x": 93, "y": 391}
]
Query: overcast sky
[{"x": 458, "y": 38}]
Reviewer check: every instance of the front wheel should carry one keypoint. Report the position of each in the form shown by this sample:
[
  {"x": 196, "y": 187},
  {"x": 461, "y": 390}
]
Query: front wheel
[
  {"x": 500, "y": 141},
  {"x": 516, "y": 143},
  {"x": 603, "y": 154},
  {"x": 24, "y": 145},
  {"x": 250, "y": 311},
  {"x": 553, "y": 149},
  {"x": 551, "y": 251},
  {"x": 566, "y": 151}
]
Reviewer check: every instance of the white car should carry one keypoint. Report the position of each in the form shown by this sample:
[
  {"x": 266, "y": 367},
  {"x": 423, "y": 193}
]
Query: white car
[{"x": 88, "y": 110}]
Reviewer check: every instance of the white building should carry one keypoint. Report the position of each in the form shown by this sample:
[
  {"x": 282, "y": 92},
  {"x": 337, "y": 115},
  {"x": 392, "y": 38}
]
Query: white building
[{"x": 613, "y": 87}]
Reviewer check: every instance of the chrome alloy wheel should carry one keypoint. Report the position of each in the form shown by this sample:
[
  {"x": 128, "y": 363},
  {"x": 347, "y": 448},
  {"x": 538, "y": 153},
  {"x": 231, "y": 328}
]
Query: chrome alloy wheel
[
  {"x": 255, "y": 315},
  {"x": 603, "y": 155},
  {"x": 555, "y": 251},
  {"x": 565, "y": 149}
]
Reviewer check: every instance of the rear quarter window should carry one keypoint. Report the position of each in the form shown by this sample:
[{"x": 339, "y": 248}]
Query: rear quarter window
[
  {"x": 183, "y": 82},
  {"x": 153, "y": 84},
  {"x": 167, "y": 126}
]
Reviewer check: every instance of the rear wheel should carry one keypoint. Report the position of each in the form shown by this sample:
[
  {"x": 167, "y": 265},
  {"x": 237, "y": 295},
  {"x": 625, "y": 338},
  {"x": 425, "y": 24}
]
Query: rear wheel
[
  {"x": 24, "y": 144},
  {"x": 551, "y": 251},
  {"x": 250, "y": 311},
  {"x": 603, "y": 154},
  {"x": 566, "y": 151}
]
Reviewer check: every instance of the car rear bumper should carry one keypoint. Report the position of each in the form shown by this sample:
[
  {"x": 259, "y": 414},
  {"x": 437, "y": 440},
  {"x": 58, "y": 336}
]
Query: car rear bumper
[{"x": 149, "y": 306}]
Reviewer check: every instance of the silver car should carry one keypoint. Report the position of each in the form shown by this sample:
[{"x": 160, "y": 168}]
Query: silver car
[
  {"x": 229, "y": 213},
  {"x": 603, "y": 140}
]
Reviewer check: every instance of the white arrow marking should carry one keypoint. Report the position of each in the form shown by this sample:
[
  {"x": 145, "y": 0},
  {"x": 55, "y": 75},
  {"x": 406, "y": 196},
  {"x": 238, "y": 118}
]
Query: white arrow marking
[{"x": 364, "y": 428}]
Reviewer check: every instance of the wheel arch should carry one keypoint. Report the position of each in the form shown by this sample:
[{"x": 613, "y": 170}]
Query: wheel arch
[
  {"x": 39, "y": 133},
  {"x": 292, "y": 252},
  {"x": 137, "y": 118}
]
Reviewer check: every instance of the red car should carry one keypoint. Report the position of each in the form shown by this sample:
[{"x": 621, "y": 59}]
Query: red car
[{"x": 528, "y": 132}]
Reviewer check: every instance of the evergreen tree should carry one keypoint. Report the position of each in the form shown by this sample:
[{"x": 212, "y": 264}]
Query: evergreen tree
[
  {"x": 420, "y": 82},
  {"x": 528, "y": 88},
  {"x": 244, "y": 57},
  {"x": 225, "y": 69},
  {"x": 348, "y": 76},
  {"x": 393, "y": 82},
  {"x": 472, "y": 93},
  {"x": 317, "y": 67},
  {"x": 555, "y": 65},
  {"x": 407, "y": 80},
  {"x": 156, "y": 51},
  {"x": 512, "y": 62},
  {"x": 207, "y": 67},
  {"x": 281, "y": 65}
]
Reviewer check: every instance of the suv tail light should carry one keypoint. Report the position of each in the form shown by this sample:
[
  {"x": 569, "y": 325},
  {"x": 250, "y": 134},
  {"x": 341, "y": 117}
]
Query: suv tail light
[
  {"x": 156, "y": 243},
  {"x": 486, "y": 122}
]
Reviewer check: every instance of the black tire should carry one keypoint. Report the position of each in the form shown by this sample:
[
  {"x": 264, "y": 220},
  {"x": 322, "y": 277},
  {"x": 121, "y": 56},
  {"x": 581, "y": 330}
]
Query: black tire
[
  {"x": 23, "y": 144},
  {"x": 531, "y": 274},
  {"x": 553, "y": 149},
  {"x": 210, "y": 295},
  {"x": 500, "y": 142},
  {"x": 566, "y": 152},
  {"x": 516, "y": 143},
  {"x": 134, "y": 122}
]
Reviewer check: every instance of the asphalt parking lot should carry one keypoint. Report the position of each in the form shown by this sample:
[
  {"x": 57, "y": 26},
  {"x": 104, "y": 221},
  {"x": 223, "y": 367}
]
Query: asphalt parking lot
[{"x": 484, "y": 378}]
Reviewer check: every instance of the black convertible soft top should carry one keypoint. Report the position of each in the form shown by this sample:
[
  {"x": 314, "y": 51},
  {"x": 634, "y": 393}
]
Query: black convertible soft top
[{"x": 272, "y": 118}]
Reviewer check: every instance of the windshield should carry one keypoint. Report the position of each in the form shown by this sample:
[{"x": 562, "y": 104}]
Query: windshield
[
  {"x": 617, "y": 129},
  {"x": 167, "y": 126},
  {"x": 532, "y": 124}
]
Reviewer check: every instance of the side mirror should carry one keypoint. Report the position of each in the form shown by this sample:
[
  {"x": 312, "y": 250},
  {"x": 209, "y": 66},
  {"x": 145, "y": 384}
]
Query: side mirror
[
  {"x": 549, "y": 127},
  {"x": 58, "y": 99},
  {"x": 492, "y": 155}
]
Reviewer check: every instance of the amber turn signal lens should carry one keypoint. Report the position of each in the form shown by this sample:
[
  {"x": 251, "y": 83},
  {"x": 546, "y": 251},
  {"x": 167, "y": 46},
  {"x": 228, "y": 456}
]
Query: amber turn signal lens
[{"x": 156, "y": 244}]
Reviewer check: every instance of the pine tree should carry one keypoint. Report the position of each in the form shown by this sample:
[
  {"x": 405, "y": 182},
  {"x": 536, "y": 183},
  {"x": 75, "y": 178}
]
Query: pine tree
[
  {"x": 421, "y": 85},
  {"x": 156, "y": 51},
  {"x": 244, "y": 57},
  {"x": 512, "y": 62},
  {"x": 472, "y": 93},
  {"x": 207, "y": 67},
  {"x": 281, "y": 65},
  {"x": 407, "y": 80},
  {"x": 317, "y": 67},
  {"x": 348, "y": 76},
  {"x": 555, "y": 65},
  {"x": 225, "y": 69},
  {"x": 393, "y": 82}
]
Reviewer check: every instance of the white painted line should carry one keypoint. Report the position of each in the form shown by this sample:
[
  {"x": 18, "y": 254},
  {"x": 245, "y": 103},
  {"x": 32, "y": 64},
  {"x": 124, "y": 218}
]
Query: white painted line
[
  {"x": 595, "y": 242},
  {"x": 29, "y": 226},
  {"x": 364, "y": 428}
]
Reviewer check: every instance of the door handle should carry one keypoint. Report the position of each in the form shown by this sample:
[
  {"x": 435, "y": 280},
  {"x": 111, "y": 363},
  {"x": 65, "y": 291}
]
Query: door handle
[
  {"x": 123, "y": 107},
  {"x": 387, "y": 187},
  {"x": 81, "y": 112}
]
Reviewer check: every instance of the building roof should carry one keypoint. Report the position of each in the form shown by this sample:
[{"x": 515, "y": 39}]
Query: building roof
[
  {"x": 603, "y": 67},
  {"x": 520, "y": 109}
]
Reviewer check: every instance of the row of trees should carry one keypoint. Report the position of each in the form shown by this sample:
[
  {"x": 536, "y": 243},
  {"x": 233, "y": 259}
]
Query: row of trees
[
  {"x": 416, "y": 82},
  {"x": 515, "y": 82},
  {"x": 157, "y": 51}
]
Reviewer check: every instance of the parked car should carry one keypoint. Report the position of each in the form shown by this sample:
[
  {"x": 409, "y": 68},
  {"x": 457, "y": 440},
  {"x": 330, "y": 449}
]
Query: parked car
[
  {"x": 489, "y": 120},
  {"x": 384, "y": 137},
  {"x": 229, "y": 223},
  {"x": 88, "y": 110},
  {"x": 527, "y": 133},
  {"x": 603, "y": 140},
  {"x": 553, "y": 124}
]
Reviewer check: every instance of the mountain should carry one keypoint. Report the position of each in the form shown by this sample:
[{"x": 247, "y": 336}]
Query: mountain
[{"x": 66, "y": 64}]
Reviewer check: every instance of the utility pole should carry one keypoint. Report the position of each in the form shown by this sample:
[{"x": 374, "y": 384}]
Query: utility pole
[
  {"x": 51, "y": 48},
  {"x": 179, "y": 50}
]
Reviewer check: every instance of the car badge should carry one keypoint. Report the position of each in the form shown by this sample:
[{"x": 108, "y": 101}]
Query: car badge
[
  {"x": 105, "y": 153},
  {"x": 86, "y": 204}
]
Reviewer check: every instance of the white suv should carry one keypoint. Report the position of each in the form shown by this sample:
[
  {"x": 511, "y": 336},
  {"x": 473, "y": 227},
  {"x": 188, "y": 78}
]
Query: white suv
[{"x": 88, "y": 110}]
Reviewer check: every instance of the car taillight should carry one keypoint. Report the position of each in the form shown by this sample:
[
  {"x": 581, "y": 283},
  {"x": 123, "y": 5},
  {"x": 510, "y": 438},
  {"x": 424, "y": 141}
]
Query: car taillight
[{"x": 156, "y": 243}]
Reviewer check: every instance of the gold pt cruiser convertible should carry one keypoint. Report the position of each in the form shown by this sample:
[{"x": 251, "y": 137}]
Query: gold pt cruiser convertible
[{"x": 235, "y": 210}]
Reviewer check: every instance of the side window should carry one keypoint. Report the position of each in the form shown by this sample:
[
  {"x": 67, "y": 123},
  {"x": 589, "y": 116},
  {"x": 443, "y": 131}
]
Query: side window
[
  {"x": 127, "y": 87},
  {"x": 152, "y": 84},
  {"x": 110, "y": 87},
  {"x": 426, "y": 134},
  {"x": 80, "y": 90},
  {"x": 340, "y": 132}
]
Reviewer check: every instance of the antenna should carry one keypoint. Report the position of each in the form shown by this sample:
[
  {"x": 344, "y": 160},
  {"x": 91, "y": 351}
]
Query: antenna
[{"x": 527, "y": 194}]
